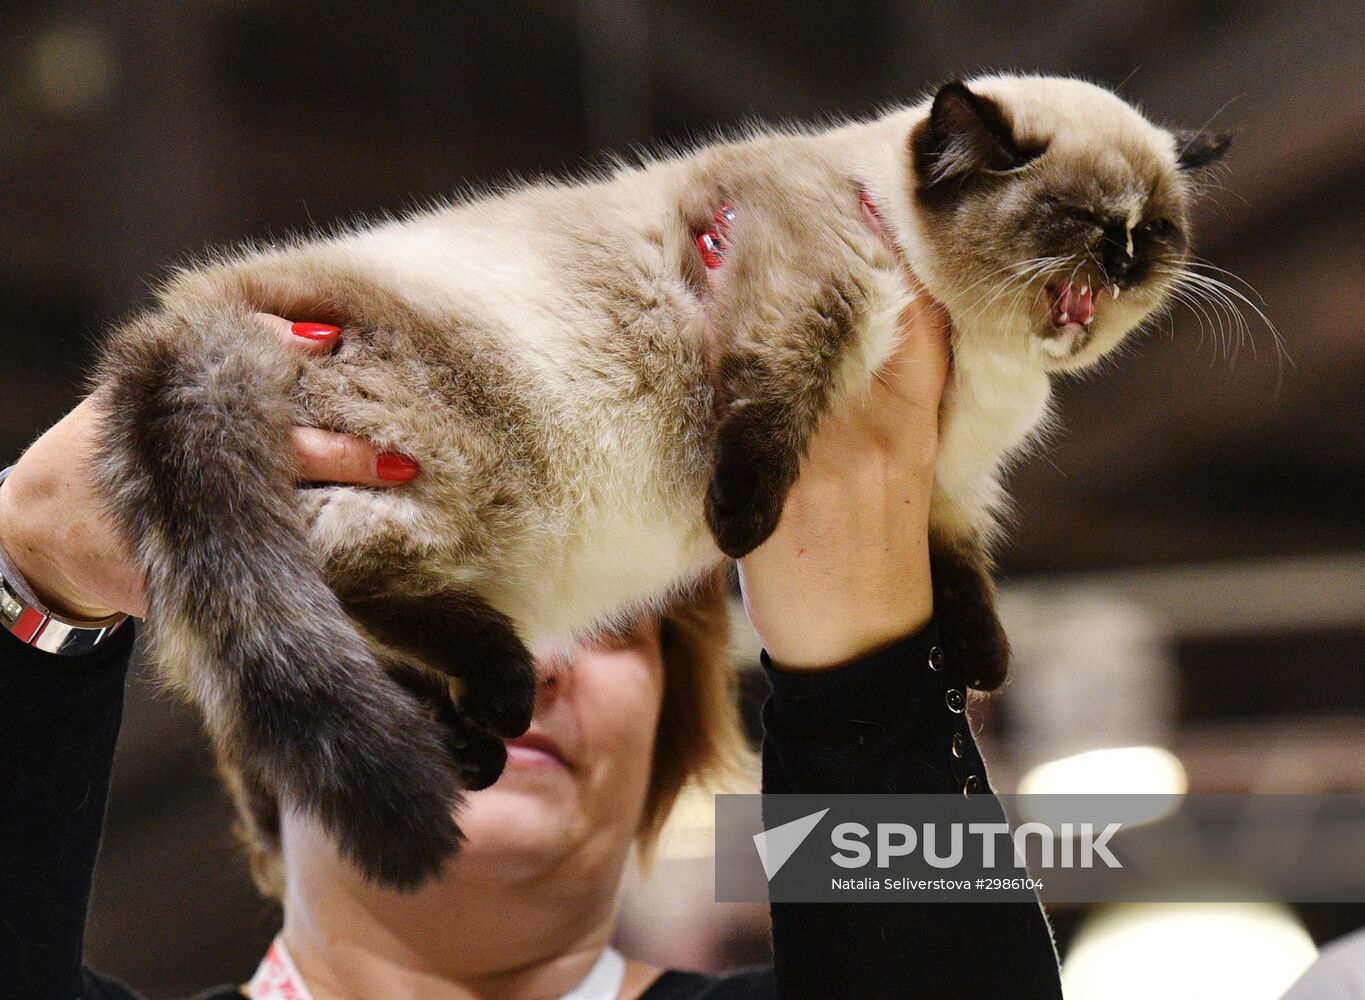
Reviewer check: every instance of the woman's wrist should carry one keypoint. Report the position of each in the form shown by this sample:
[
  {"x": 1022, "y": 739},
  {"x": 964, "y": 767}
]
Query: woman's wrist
[
  {"x": 847, "y": 572},
  {"x": 41, "y": 574}
]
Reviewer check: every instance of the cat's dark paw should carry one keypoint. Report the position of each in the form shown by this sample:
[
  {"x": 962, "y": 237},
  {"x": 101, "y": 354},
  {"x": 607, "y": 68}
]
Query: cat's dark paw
[
  {"x": 973, "y": 639},
  {"x": 461, "y": 635},
  {"x": 482, "y": 761},
  {"x": 977, "y": 646},
  {"x": 480, "y": 755},
  {"x": 500, "y": 699},
  {"x": 389, "y": 800},
  {"x": 477, "y": 754},
  {"x": 750, "y": 479}
]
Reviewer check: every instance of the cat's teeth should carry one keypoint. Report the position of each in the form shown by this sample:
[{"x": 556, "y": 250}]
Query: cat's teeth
[
  {"x": 1085, "y": 289},
  {"x": 1064, "y": 318},
  {"x": 1114, "y": 291}
]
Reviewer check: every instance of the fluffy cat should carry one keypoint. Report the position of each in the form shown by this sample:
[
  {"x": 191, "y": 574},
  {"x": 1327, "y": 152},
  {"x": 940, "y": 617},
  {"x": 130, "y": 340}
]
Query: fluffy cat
[{"x": 543, "y": 354}]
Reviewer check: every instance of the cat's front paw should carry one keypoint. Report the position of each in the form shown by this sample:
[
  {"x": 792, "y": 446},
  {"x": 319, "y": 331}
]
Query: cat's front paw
[{"x": 750, "y": 479}]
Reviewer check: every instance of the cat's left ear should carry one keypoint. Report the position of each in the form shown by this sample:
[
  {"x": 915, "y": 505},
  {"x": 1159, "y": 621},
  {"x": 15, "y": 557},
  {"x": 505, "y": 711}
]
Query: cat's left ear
[
  {"x": 966, "y": 133},
  {"x": 1196, "y": 151}
]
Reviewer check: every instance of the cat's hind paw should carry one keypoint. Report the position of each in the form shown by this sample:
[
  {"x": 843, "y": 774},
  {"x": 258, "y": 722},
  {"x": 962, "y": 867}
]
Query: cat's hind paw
[
  {"x": 969, "y": 626},
  {"x": 459, "y": 634}
]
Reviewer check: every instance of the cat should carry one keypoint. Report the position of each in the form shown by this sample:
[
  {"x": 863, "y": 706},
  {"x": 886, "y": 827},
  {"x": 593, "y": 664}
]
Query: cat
[{"x": 543, "y": 353}]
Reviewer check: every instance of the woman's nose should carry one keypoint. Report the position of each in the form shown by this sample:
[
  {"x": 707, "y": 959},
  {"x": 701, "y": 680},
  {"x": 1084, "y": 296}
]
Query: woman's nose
[{"x": 553, "y": 678}]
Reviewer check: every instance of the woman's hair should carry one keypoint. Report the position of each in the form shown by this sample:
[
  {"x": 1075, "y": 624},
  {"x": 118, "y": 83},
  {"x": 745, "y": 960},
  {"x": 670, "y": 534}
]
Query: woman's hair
[{"x": 700, "y": 737}]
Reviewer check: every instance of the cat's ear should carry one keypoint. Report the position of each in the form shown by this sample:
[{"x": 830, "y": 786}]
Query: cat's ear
[
  {"x": 965, "y": 134},
  {"x": 1196, "y": 151}
]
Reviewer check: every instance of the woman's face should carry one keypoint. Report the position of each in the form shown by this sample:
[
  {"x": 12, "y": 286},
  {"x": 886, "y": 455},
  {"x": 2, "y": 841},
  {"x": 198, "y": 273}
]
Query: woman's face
[
  {"x": 567, "y": 806},
  {"x": 575, "y": 784}
]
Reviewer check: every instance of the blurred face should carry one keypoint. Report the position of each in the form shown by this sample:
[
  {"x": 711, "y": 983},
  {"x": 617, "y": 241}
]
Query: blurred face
[
  {"x": 545, "y": 845},
  {"x": 575, "y": 784},
  {"x": 569, "y": 802}
]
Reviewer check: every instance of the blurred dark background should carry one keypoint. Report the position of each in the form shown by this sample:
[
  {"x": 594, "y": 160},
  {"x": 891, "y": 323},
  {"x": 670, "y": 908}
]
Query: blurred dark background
[{"x": 1217, "y": 490}]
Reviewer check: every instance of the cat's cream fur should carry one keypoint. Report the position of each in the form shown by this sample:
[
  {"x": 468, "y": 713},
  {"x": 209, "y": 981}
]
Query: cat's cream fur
[{"x": 544, "y": 355}]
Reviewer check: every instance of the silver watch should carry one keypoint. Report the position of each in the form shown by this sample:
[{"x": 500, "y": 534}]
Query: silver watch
[{"x": 28, "y": 620}]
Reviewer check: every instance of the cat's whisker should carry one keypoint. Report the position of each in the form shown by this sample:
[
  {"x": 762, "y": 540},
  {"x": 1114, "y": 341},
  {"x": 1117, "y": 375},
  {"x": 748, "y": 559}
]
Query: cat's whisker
[
  {"x": 1221, "y": 304},
  {"x": 1220, "y": 311},
  {"x": 1008, "y": 267},
  {"x": 1196, "y": 262},
  {"x": 1186, "y": 297},
  {"x": 975, "y": 306},
  {"x": 1226, "y": 288},
  {"x": 1012, "y": 268},
  {"x": 1001, "y": 289},
  {"x": 1212, "y": 183},
  {"x": 987, "y": 300},
  {"x": 1282, "y": 355},
  {"x": 1039, "y": 290},
  {"x": 1197, "y": 312},
  {"x": 1040, "y": 273},
  {"x": 1231, "y": 296},
  {"x": 996, "y": 291},
  {"x": 1236, "y": 324},
  {"x": 1030, "y": 273}
]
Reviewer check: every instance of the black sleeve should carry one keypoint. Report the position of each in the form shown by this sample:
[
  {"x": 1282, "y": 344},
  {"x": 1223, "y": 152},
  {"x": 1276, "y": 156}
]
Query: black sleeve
[
  {"x": 889, "y": 723},
  {"x": 59, "y": 719}
]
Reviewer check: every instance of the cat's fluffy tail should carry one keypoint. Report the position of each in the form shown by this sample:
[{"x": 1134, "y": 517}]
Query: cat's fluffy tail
[{"x": 197, "y": 464}]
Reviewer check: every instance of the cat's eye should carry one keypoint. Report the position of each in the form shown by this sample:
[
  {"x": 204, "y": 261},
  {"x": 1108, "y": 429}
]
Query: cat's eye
[
  {"x": 1069, "y": 211},
  {"x": 1161, "y": 228}
]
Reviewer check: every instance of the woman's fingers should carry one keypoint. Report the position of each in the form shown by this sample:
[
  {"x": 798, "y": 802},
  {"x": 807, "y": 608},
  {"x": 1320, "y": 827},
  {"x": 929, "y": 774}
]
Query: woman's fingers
[
  {"x": 919, "y": 365},
  {"x": 328, "y": 457},
  {"x": 312, "y": 338}
]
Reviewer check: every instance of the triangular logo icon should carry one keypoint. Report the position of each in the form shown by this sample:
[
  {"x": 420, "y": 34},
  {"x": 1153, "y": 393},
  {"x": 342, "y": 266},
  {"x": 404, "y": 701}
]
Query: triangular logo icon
[{"x": 777, "y": 845}]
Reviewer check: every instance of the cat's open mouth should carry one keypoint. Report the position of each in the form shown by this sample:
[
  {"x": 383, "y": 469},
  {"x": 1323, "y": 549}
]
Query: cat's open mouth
[
  {"x": 1072, "y": 309},
  {"x": 1071, "y": 303}
]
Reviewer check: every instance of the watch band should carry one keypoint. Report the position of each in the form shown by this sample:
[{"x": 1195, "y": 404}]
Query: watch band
[{"x": 28, "y": 620}]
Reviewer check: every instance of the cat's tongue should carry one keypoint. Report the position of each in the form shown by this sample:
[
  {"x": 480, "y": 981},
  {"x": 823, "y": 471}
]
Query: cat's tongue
[{"x": 1071, "y": 304}]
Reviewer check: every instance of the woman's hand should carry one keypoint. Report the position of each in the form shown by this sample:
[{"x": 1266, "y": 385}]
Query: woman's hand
[
  {"x": 847, "y": 570},
  {"x": 54, "y": 528}
]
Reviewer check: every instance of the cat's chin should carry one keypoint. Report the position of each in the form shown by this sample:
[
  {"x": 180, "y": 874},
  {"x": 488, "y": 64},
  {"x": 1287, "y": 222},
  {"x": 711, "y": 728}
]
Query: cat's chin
[{"x": 1061, "y": 343}]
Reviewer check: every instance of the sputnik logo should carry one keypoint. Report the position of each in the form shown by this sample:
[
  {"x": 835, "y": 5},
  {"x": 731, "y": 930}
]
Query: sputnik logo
[{"x": 777, "y": 845}]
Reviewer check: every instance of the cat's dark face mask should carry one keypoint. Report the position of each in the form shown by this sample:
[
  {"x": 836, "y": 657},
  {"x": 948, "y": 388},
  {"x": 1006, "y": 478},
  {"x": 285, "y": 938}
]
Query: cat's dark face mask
[{"x": 1065, "y": 221}]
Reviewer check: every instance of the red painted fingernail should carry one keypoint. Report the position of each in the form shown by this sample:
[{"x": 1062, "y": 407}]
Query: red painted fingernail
[
  {"x": 712, "y": 250},
  {"x": 395, "y": 468},
  {"x": 725, "y": 215},
  {"x": 313, "y": 331}
]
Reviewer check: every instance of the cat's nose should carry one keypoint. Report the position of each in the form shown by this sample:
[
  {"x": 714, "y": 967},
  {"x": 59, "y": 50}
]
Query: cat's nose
[{"x": 1120, "y": 258}]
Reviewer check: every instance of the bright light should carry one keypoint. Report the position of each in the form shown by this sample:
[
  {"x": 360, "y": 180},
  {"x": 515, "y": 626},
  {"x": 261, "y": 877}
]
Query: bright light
[
  {"x": 1119, "y": 771},
  {"x": 1187, "y": 951},
  {"x": 1150, "y": 772}
]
